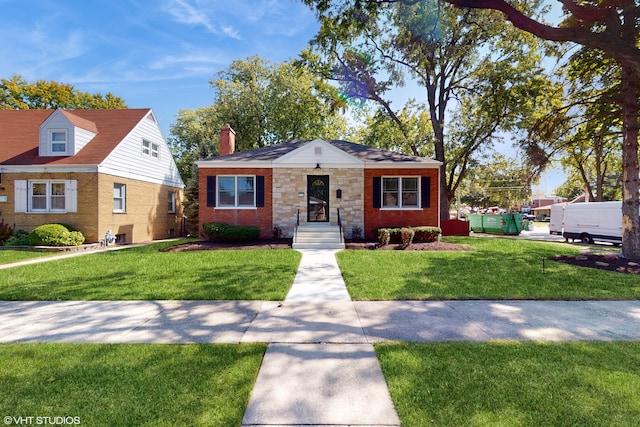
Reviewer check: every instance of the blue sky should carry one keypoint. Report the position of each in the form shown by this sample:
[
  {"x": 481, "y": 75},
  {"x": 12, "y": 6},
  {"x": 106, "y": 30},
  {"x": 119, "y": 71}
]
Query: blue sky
[
  {"x": 152, "y": 53},
  {"x": 158, "y": 54}
]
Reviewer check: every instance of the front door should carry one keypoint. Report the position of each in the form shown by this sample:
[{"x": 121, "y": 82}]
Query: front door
[{"x": 318, "y": 198}]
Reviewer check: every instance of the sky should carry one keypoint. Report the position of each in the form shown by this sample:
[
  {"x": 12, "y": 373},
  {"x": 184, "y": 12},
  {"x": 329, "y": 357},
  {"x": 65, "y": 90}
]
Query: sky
[{"x": 157, "y": 54}]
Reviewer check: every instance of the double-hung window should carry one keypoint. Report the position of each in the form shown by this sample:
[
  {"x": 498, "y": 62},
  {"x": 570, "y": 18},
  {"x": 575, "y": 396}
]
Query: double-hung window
[
  {"x": 172, "y": 202},
  {"x": 58, "y": 141},
  {"x": 400, "y": 192},
  {"x": 236, "y": 191},
  {"x": 119, "y": 198},
  {"x": 47, "y": 196}
]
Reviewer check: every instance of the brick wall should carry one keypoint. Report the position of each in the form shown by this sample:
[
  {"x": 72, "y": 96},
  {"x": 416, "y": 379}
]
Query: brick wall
[
  {"x": 377, "y": 217},
  {"x": 260, "y": 217},
  {"x": 147, "y": 216}
]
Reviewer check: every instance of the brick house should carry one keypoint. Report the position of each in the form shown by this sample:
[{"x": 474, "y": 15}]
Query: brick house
[
  {"x": 95, "y": 170},
  {"x": 309, "y": 181}
]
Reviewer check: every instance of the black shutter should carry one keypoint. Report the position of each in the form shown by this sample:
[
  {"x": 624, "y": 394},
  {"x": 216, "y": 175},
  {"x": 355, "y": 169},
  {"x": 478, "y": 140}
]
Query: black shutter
[
  {"x": 211, "y": 190},
  {"x": 426, "y": 191},
  {"x": 377, "y": 192},
  {"x": 260, "y": 191}
]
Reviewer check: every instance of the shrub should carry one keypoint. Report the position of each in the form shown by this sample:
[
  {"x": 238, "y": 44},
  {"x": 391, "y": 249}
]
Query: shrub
[
  {"x": 221, "y": 232},
  {"x": 55, "y": 235},
  {"x": 18, "y": 238},
  {"x": 400, "y": 236},
  {"x": 6, "y": 231},
  {"x": 384, "y": 236},
  {"x": 427, "y": 234},
  {"x": 276, "y": 232},
  {"x": 407, "y": 236}
]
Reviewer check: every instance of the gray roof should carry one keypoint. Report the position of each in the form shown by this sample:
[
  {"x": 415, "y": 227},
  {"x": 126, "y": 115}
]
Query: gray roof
[{"x": 359, "y": 151}]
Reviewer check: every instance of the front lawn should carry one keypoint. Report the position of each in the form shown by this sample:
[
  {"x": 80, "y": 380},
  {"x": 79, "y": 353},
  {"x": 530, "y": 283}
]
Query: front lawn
[
  {"x": 8, "y": 256},
  {"x": 498, "y": 268},
  {"x": 514, "y": 384},
  {"x": 128, "y": 385},
  {"x": 145, "y": 273}
]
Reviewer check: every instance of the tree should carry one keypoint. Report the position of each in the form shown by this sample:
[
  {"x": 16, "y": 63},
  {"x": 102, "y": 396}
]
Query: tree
[
  {"x": 269, "y": 103},
  {"x": 18, "y": 94},
  {"x": 466, "y": 61},
  {"x": 264, "y": 103},
  {"x": 611, "y": 27}
]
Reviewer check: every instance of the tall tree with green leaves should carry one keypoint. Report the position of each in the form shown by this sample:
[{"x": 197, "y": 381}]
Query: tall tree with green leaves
[
  {"x": 465, "y": 60},
  {"x": 264, "y": 103},
  {"x": 612, "y": 28},
  {"x": 18, "y": 94}
]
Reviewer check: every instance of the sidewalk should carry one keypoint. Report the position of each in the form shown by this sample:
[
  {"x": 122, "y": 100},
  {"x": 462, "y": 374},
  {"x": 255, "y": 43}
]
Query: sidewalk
[{"x": 320, "y": 367}]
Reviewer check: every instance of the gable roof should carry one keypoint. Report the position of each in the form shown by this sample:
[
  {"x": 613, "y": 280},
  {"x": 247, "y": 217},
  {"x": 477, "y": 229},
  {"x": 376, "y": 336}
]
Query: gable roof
[
  {"x": 19, "y": 135},
  {"x": 366, "y": 154}
]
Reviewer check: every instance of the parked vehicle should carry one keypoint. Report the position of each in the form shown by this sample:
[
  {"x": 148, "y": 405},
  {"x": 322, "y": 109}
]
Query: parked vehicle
[
  {"x": 556, "y": 219},
  {"x": 587, "y": 222}
]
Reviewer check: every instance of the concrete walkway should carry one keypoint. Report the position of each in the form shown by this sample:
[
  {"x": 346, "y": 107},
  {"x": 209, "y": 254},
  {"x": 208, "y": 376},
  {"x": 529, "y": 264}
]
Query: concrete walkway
[{"x": 320, "y": 367}]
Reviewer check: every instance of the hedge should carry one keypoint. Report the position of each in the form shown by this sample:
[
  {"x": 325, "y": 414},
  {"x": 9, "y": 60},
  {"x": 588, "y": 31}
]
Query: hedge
[
  {"x": 221, "y": 232},
  {"x": 407, "y": 235}
]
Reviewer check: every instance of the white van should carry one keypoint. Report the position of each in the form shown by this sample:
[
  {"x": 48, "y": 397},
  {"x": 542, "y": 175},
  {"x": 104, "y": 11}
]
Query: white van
[
  {"x": 601, "y": 221},
  {"x": 556, "y": 219}
]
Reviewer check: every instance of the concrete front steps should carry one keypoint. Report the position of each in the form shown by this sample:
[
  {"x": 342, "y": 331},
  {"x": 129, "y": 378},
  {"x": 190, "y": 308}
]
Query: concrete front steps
[{"x": 318, "y": 236}]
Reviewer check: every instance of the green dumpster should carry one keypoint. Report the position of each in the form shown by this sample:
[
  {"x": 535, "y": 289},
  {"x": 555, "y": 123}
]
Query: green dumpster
[
  {"x": 475, "y": 222},
  {"x": 506, "y": 223}
]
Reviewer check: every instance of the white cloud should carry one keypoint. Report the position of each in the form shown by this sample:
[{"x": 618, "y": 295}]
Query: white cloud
[{"x": 185, "y": 13}]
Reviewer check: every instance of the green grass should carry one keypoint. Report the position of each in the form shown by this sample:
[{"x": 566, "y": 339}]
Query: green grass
[
  {"x": 498, "y": 268},
  {"x": 144, "y": 273},
  {"x": 514, "y": 384},
  {"x": 129, "y": 385},
  {"x": 9, "y": 256}
]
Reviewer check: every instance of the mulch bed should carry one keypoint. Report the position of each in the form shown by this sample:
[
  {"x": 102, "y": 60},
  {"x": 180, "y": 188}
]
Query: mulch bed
[
  {"x": 609, "y": 262},
  {"x": 206, "y": 245}
]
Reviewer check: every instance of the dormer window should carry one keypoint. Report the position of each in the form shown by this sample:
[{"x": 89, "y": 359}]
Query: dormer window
[{"x": 58, "y": 139}]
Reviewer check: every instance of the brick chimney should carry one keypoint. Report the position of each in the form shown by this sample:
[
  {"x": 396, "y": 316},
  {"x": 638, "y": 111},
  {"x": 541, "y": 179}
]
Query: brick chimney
[{"x": 227, "y": 140}]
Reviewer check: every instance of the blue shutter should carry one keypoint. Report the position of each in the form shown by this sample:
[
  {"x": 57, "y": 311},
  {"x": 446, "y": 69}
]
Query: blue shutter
[
  {"x": 260, "y": 191},
  {"x": 377, "y": 192},
  {"x": 211, "y": 190},
  {"x": 425, "y": 191}
]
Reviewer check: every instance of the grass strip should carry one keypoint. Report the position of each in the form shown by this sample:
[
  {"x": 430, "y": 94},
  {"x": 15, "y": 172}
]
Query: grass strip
[
  {"x": 9, "y": 256},
  {"x": 514, "y": 384},
  {"x": 497, "y": 268},
  {"x": 145, "y": 273},
  {"x": 127, "y": 385}
]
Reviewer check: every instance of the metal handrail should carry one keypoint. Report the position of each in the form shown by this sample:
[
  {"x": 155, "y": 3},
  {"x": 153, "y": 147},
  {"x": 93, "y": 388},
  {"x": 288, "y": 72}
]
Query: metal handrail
[
  {"x": 295, "y": 229},
  {"x": 340, "y": 225}
]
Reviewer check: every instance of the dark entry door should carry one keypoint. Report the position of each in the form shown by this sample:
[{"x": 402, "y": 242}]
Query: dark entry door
[{"x": 318, "y": 198}]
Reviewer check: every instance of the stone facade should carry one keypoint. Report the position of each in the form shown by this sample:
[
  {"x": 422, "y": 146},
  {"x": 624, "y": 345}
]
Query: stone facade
[{"x": 290, "y": 196}]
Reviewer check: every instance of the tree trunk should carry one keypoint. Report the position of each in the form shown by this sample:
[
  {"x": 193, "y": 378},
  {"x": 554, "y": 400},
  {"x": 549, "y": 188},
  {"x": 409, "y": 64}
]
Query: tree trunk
[{"x": 630, "y": 168}]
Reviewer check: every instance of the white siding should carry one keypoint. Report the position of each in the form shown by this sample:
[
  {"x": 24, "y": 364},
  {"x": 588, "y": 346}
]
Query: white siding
[
  {"x": 56, "y": 121},
  {"x": 127, "y": 159},
  {"x": 318, "y": 152},
  {"x": 81, "y": 138}
]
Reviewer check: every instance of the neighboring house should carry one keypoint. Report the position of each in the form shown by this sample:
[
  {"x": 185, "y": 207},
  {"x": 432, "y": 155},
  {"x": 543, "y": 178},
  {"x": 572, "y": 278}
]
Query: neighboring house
[
  {"x": 96, "y": 170},
  {"x": 309, "y": 181},
  {"x": 541, "y": 200}
]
